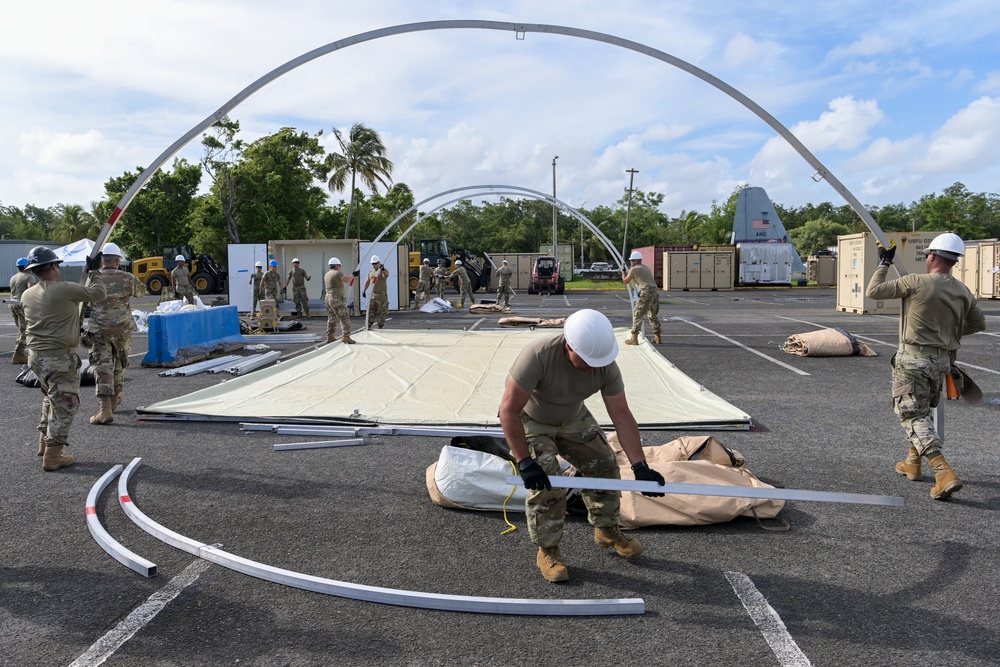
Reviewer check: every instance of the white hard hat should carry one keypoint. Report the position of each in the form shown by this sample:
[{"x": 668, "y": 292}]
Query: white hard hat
[
  {"x": 375, "y": 259},
  {"x": 179, "y": 258},
  {"x": 112, "y": 249},
  {"x": 504, "y": 261},
  {"x": 426, "y": 261},
  {"x": 458, "y": 262},
  {"x": 590, "y": 334},
  {"x": 635, "y": 255},
  {"x": 950, "y": 246},
  {"x": 334, "y": 261},
  {"x": 295, "y": 260},
  {"x": 259, "y": 265}
]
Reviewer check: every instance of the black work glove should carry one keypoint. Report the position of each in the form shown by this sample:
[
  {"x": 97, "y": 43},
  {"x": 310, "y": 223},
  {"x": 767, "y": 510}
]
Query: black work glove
[
  {"x": 886, "y": 256},
  {"x": 94, "y": 263},
  {"x": 533, "y": 475},
  {"x": 644, "y": 473},
  {"x": 356, "y": 274},
  {"x": 363, "y": 295}
]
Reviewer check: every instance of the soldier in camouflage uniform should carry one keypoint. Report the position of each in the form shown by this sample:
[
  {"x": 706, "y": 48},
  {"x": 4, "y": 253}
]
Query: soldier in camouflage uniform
[
  {"x": 440, "y": 278},
  {"x": 180, "y": 280},
  {"x": 378, "y": 305},
  {"x": 271, "y": 282},
  {"x": 464, "y": 284},
  {"x": 110, "y": 333},
  {"x": 936, "y": 311},
  {"x": 336, "y": 304},
  {"x": 647, "y": 302},
  {"x": 503, "y": 289},
  {"x": 256, "y": 278},
  {"x": 543, "y": 416},
  {"x": 19, "y": 282},
  {"x": 52, "y": 309},
  {"x": 297, "y": 278},
  {"x": 423, "y": 283}
]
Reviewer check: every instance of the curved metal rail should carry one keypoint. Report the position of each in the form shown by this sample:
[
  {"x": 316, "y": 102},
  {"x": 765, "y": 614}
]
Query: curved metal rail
[{"x": 121, "y": 554}]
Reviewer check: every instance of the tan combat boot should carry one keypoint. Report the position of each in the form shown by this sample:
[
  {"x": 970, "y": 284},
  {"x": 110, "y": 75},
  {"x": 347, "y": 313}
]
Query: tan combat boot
[
  {"x": 347, "y": 339},
  {"x": 656, "y": 339},
  {"x": 103, "y": 415},
  {"x": 19, "y": 357},
  {"x": 550, "y": 562},
  {"x": 330, "y": 339},
  {"x": 54, "y": 459},
  {"x": 41, "y": 444},
  {"x": 911, "y": 466},
  {"x": 946, "y": 482},
  {"x": 611, "y": 536},
  {"x": 634, "y": 340},
  {"x": 116, "y": 400}
]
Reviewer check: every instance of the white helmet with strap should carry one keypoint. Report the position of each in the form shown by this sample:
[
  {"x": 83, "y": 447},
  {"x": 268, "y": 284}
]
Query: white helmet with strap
[
  {"x": 950, "y": 246},
  {"x": 590, "y": 334}
]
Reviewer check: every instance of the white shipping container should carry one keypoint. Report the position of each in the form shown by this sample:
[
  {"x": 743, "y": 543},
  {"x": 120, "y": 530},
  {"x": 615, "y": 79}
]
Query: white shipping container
[
  {"x": 857, "y": 259},
  {"x": 767, "y": 263}
]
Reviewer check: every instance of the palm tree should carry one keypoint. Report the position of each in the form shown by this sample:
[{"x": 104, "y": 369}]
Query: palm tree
[
  {"x": 362, "y": 156},
  {"x": 72, "y": 222}
]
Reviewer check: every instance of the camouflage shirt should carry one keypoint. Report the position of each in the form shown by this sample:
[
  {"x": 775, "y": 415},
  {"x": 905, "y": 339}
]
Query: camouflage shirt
[
  {"x": 181, "y": 276},
  {"x": 297, "y": 277},
  {"x": 114, "y": 314},
  {"x": 21, "y": 281}
]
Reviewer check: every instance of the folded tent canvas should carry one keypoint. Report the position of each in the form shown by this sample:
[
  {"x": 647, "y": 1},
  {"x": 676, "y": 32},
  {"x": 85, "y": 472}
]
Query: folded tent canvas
[{"x": 438, "y": 378}]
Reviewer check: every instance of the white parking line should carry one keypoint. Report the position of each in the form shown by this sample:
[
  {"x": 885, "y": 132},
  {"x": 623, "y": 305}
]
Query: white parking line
[
  {"x": 876, "y": 340},
  {"x": 478, "y": 322},
  {"x": 768, "y": 622},
  {"x": 105, "y": 647},
  {"x": 748, "y": 349}
]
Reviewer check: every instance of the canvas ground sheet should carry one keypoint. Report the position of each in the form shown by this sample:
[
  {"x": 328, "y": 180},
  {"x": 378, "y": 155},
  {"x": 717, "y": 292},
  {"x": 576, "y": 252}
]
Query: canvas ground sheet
[{"x": 439, "y": 378}]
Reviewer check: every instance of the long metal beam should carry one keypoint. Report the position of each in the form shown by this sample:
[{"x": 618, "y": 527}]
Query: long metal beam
[
  {"x": 319, "y": 444},
  {"x": 601, "y": 484},
  {"x": 123, "y": 555},
  {"x": 393, "y": 596}
]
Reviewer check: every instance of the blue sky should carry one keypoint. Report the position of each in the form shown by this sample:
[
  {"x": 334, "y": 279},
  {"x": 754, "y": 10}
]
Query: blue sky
[{"x": 897, "y": 99}]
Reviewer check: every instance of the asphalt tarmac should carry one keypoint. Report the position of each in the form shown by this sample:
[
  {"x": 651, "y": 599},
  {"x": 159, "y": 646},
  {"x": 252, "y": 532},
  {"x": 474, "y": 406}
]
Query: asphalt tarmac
[{"x": 847, "y": 585}]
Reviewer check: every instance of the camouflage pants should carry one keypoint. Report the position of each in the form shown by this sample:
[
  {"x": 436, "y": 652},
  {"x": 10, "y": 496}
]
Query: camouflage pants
[
  {"x": 271, "y": 295},
  {"x": 647, "y": 304},
  {"x": 582, "y": 443},
  {"x": 466, "y": 289},
  {"x": 439, "y": 285},
  {"x": 17, "y": 311},
  {"x": 185, "y": 292},
  {"x": 59, "y": 380},
  {"x": 336, "y": 311},
  {"x": 423, "y": 291},
  {"x": 301, "y": 299},
  {"x": 378, "y": 308},
  {"x": 503, "y": 292},
  {"x": 916, "y": 390},
  {"x": 256, "y": 299},
  {"x": 109, "y": 358}
]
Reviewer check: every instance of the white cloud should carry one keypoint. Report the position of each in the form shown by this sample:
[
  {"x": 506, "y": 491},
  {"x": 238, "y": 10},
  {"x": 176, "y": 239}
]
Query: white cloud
[
  {"x": 967, "y": 141},
  {"x": 869, "y": 44},
  {"x": 743, "y": 50},
  {"x": 990, "y": 84}
]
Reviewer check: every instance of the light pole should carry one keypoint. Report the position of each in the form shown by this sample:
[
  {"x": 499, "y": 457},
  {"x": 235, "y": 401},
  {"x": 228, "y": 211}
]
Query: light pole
[{"x": 555, "y": 233}]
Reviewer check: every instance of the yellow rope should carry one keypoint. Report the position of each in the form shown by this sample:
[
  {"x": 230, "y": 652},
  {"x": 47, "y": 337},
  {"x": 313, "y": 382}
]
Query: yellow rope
[{"x": 509, "y": 496}]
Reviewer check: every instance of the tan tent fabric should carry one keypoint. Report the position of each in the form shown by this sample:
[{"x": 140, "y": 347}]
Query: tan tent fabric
[
  {"x": 439, "y": 378},
  {"x": 827, "y": 343},
  {"x": 487, "y": 309},
  {"x": 517, "y": 321},
  {"x": 712, "y": 464}
]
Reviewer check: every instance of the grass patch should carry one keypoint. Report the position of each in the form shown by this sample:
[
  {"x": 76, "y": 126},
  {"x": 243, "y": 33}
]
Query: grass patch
[{"x": 584, "y": 283}]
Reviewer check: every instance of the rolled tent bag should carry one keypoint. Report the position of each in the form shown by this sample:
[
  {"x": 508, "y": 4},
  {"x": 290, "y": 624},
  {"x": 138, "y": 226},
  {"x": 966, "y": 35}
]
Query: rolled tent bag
[{"x": 827, "y": 343}]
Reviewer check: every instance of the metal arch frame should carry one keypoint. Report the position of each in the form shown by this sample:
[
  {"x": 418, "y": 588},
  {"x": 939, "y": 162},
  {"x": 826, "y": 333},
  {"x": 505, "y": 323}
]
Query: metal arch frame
[
  {"x": 378, "y": 594},
  {"x": 519, "y": 29},
  {"x": 480, "y": 190},
  {"x": 115, "y": 549}
]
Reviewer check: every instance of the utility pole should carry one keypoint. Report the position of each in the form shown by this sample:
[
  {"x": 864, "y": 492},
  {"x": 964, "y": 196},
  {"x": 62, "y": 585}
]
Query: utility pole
[
  {"x": 628, "y": 209},
  {"x": 555, "y": 233}
]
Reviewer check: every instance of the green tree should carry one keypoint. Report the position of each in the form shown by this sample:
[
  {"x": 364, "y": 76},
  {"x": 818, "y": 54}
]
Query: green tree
[
  {"x": 816, "y": 235},
  {"x": 73, "y": 223},
  {"x": 222, "y": 151},
  {"x": 361, "y": 156},
  {"x": 158, "y": 215}
]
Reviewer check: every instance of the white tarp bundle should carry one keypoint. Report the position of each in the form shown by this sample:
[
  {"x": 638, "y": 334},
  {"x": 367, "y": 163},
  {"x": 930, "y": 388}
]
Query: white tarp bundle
[{"x": 453, "y": 378}]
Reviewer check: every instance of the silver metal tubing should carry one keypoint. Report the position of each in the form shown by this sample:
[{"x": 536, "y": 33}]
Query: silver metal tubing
[
  {"x": 601, "y": 484},
  {"x": 124, "y": 556},
  {"x": 393, "y": 596},
  {"x": 319, "y": 444}
]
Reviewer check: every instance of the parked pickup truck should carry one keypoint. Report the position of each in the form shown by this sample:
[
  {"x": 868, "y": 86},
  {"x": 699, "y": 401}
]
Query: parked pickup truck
[{"x": 600, "y": 271}]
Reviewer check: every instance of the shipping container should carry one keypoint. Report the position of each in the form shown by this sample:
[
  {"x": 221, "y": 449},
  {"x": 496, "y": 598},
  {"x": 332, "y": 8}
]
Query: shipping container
[
  {"x": 857, "y": 259},
  {"x": 767, "y": 263},
  {"x": 565, "y": 257},
  {"x": 652, "y": 256},
  {"x": 822, "y": 270},
  {"x": 694, "y": 270},
  {"x": 13, "y": 250},
  {"x": 989, "y": 271}
]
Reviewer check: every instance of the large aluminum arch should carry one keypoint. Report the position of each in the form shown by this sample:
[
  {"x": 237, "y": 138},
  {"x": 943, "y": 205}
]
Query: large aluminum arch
[{"x": 519, "y": 29}]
